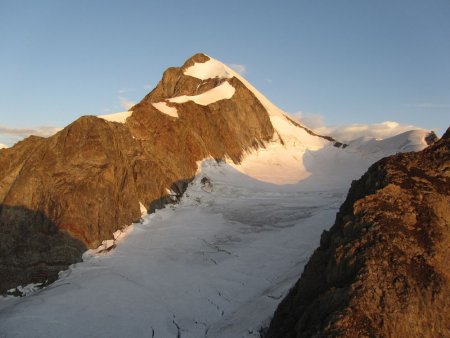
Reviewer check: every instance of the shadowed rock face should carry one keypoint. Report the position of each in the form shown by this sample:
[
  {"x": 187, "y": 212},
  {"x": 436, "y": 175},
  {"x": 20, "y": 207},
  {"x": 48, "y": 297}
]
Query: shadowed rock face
[
  {"x": 32, "y": 249},
  {"x": 382, "y": 269},
  {"x": 89, "y": 179}
]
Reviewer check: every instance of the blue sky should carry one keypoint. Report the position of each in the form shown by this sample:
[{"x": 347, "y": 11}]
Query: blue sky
[{"x": 347, "y": 61}]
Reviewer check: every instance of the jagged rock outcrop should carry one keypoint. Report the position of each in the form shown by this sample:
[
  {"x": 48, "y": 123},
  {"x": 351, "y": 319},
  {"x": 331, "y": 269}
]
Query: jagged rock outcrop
[
  {"x": 382, "y": 269},
  {"x": 93, "y": 177}
]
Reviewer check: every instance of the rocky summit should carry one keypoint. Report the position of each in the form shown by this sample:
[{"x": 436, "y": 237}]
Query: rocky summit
[
  {"x": 72, "y": 191},
  {"x": 382, "y": 269}
]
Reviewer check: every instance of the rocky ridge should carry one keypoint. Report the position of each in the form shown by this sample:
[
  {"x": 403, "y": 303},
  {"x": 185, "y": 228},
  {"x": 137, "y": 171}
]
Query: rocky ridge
[{"x": 382, "y": 269}]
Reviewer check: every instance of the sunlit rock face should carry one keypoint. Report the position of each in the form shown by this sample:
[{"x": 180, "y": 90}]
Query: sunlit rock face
[{"x": 382, "y": 269}]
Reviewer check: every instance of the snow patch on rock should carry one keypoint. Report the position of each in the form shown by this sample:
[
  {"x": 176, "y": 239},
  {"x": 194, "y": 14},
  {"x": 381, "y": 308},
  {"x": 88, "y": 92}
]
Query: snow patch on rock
[
  {"x": 208, "y": 70},
  {"x": 143, "y": 209},
  {"x": 165, "y": 109},
  {"x": 117, "y": 234},
  {"x": 108, "y": 244},
  {"x": 116, "y": 117},
  {"x": 223, "y": 91},
  {"x": 22, "y": 291}
]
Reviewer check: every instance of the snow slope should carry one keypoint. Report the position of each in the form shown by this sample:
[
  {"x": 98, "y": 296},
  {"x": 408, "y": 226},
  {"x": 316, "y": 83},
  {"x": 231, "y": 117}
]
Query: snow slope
[
  {"x": 215, "y": 265},
  {"x": 200, "y": 268},
  {"x": 311, "y": 165},
  {"x": 281, "y": 162},
  {"x": 222, "y": 92}
]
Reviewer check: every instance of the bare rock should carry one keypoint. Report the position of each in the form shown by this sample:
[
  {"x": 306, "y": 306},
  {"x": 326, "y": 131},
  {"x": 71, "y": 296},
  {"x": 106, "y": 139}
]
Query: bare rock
[{"x": 382, "y": 269}]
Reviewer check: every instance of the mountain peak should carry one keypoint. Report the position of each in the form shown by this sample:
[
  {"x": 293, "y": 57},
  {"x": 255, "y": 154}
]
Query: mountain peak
[
  {"x": 196, "y": 58},
  {"x": 203, "y": 67},
  {"x": 200, "y": 110}
]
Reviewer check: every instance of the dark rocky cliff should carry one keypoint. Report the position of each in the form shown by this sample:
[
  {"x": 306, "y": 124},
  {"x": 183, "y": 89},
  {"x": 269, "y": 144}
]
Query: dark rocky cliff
[{"x": 383, "y": 269}]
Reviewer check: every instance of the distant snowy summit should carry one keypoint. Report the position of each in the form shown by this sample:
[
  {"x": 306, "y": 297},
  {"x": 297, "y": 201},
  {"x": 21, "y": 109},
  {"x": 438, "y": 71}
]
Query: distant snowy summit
[{"x": 74, "y": 190}]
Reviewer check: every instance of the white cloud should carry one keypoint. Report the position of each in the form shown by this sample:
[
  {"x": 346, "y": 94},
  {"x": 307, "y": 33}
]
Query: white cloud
[
  {"x": 268, "y": 80},
  {"x": 44, "y": 131},
  {"x": 125, "y": 90},
  {"x": 309, "y": 120},
  {"x": 381, "y": 130},
  {"x": 346, "y": 133},
  {"x": 11, "y": 135},
  {"x": 126, "y": 103},
  {"x": 241, "y": 69},
  {"x": 2, "y": 146}
]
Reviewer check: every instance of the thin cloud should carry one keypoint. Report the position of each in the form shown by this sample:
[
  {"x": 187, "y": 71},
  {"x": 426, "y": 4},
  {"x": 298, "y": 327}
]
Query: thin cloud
[
  {"x": 427, "y": 105},
  {"x": 381, "y": 130},
  {"x": 44, "y": 131},
  {"x": 241, "y": 69},
  {"x": 126, "y": 103},
  {"x": 2, "y": 146},
  {"x": 349, "y": 132},
  {"x": 268, "y": 80},
  {"x": 11, "y": 135},
  {"x": 311, "y": 121},
  {"x": 125, "y": 90}
]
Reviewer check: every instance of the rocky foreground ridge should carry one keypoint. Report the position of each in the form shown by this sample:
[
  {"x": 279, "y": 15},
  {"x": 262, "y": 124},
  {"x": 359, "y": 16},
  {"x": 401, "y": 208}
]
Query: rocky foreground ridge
[
  {"x": 69, "y": 192},
  {"x": 383, "y": 269}
]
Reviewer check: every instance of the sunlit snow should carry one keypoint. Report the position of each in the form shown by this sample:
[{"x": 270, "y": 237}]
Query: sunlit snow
[
  {"x": 116, "y": 117},
  {"x": 143, "y": 209},
  {"x": 208, "y": 70},
  {"x": 165, "y": 109},
  {"x": 221, "y": 92},
  {"x": 215, "y": 265}
]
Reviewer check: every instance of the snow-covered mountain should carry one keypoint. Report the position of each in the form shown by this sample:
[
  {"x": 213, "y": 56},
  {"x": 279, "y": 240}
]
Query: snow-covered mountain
[
  {"x": 92, "y": 178},
  {"x": 260, "y": 189}
]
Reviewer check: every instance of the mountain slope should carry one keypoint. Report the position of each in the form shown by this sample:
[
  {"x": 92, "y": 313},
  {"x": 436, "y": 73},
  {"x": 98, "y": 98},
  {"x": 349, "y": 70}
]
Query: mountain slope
[
  {"x": 99, "y": 174},
  {"x": 183, "y": 270},
  {"x": 382, "y": 269},
  {"x": 216, "y": 264}
]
